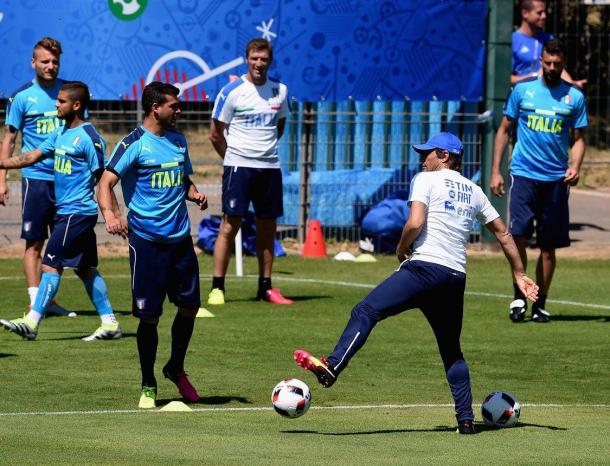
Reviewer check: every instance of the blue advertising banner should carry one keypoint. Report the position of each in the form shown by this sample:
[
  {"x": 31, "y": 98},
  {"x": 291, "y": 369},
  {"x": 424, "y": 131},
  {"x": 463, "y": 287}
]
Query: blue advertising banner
[{"x": 323, "y": 49}]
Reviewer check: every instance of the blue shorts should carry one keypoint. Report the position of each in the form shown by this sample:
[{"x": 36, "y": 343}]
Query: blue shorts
[
  {"x": 262, "y": 186},
  {"x": 159, "y": 270},
  {"x": 542, "y": 202},
  {"x": 37, "y": 208},
  {"x": 72, "y": 243}
]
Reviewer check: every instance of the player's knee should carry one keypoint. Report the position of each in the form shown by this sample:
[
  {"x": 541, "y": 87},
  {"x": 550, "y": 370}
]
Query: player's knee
[
  {"x": 363, "y": 310},
  {"x": 150, "y": 320},
  {"x": 33, "y": 248},
  {"x": 188, "y": 312}
]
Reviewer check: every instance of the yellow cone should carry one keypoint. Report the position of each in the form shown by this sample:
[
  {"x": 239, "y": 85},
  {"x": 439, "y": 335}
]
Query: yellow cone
[
  {"x": 203, "y": 312},
  {"x": 366, "y": 257},
  {"x": 175, "y": 406}
]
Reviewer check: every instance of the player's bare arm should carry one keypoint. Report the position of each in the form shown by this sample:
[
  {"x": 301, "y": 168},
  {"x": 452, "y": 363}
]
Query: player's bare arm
[
  {"x": 109, "y": 206},
  {"x": 194, "y": 195},
  {"x": 505, "y": 239},
  {"x": 411, "y": 230},
  {"x": 6, "y": 150},
  {"x": 24, "y": 160},
  {"x": 578, "y": 154},
  {"x": 281, "y": 124},
  {"x": 217, "y": 137},
  {"x": 497, "y": 180}
]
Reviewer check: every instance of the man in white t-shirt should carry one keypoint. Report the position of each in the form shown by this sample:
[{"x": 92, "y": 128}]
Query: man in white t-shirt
[
  {"x": 444, "y": 206},
  {"x": 247, "y": 121}
]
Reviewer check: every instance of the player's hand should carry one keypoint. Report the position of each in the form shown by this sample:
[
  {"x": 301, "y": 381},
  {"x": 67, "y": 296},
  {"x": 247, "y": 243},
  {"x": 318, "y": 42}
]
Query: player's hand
[
  {"x": 201, "y": 200},
  {"x": 4, "y": 193},
  {"x": 402, "y": 254},
  {"x": 571, "y": 177},
  {"x": 117, "y": 226},
  {"x": 497, "y": 184},
  {"x": 527, "y": 287},
  {"x": 580, "y": 83}
]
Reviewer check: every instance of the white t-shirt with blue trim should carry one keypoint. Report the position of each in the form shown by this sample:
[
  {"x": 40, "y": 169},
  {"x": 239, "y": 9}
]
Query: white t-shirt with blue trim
[
  {"x": 453, "y": 203},
  {"x": 252, "y": 113}
]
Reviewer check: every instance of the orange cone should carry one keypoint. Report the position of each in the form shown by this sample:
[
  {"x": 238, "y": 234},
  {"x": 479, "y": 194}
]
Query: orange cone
[{"x": 314, "y": 241}]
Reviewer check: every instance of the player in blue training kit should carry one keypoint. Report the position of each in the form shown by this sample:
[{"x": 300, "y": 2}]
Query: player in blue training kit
[
  {"x": 546, "y": 109},
  {"x": 153, "y": 165},
  {"x": 77, "y": 153},
  {"x": 444, "y": 205},
  {"x": 528, "y": 41},
  {"x": 31, "y": 110}
]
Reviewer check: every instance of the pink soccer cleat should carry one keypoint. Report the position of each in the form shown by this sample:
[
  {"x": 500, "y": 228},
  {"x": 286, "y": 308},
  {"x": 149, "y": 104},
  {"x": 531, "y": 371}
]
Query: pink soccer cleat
[{"x": 274, "y": 296}]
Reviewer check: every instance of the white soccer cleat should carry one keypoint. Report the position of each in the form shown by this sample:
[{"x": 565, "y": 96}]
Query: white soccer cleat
[
  {"x": 24, "y": 327},
  {"x": 105, "y": 332}
]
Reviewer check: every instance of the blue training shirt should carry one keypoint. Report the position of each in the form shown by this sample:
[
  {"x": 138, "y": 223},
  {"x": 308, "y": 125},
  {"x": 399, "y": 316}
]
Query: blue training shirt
[
  {"x": 545, "y": 116},
  {"x": 78, "y": 157},
  {"x": 31, "y": 110},
  {"x": 527, "y": 52},
  {"x": 152, "y": 170}
]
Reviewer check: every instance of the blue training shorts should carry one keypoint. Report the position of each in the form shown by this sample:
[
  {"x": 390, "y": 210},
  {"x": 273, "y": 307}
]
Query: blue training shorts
[
  {"x": 37, "y": 208},
  {"x": 544, "y": 203},
  {"x": 262, "y": 186},
  {"x": 73, "y": 243},
  {"x": 159, "y": 270}
]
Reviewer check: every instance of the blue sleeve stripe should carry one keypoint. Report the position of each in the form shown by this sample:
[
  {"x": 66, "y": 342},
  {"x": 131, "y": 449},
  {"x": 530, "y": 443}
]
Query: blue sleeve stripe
[
  {"x": 224, "y": 95},
  {"x": 97, "y": 143},
  {"x": 123, "y": 145}
]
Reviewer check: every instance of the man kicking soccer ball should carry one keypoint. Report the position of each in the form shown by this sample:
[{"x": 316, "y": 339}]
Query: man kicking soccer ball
[
  {"x": 78, "y": 152},
  {"x": 444, "y": 206}
]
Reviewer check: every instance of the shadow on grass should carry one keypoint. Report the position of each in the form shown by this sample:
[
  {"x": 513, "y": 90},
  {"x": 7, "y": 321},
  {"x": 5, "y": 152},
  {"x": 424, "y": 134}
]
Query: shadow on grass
[
  {"x": 574, "y": 318},
  {"x": 81, "y": 336},
  {"x": 7, "y": 355},
  {"x": 294, "y": 298},
  {"x": 208, "y": 400},
  {"x": 481, "y": 428}
]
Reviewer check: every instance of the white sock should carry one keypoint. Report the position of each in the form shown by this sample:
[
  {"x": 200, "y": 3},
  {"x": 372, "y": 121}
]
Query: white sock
[
  {"x": 32, "y": 291},
  {"x": 108, "y": 319},
  {"x": 34, "y": 316}
]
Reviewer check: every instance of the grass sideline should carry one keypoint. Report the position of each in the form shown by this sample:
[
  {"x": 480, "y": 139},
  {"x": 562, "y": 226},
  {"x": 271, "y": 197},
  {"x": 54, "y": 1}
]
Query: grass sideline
[{"x": 237, "y": 357}]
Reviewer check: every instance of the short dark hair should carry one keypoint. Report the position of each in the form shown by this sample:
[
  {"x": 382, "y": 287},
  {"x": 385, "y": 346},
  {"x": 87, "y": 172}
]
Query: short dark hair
[
  {"x": 78, "y": 91},
  {"x": 553, "y": 47},
  {"x": 528, "y": 5},
  {"x": 259, "y": 44},
  {"x": 155, "y": 92},
  {"x": 50, "y": 44}
]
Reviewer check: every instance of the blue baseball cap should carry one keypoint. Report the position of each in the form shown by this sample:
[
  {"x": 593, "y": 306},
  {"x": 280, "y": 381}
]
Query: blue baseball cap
[{"x": 444, "y": 141}]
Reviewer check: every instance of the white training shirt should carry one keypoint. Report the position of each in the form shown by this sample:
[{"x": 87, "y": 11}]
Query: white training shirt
[
  {"x": 453, "y": 202},
  {"x": 252, "y": 113}
]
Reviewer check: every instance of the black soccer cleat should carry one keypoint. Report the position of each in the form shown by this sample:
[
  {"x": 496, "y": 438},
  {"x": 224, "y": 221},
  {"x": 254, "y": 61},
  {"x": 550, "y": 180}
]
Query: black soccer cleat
[
  {"x": 517, "y": 310},
  {"x": 325, "y": 375},
  {"x": 466, "y": 427},
  {"x": 541, "y": 316}
]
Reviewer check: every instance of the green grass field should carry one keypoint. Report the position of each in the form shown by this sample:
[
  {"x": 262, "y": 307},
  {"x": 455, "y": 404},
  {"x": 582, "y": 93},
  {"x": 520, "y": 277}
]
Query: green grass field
[{"x": 66, "y": 401}]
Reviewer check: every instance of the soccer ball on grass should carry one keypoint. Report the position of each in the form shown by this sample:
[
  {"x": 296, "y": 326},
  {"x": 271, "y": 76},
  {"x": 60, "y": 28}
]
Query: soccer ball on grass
[
  {"x": 501, "y": 409},
  {"x": 291, "y": 398}
]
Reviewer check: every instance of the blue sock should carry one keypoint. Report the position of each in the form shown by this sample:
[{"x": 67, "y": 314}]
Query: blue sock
[
  {"x": 98, "y": 293},
  {"x": 459, "y": 382},
  {"x": 49, "y": 284}
]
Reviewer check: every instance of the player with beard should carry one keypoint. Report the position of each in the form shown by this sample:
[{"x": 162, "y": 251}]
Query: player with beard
[
  {"x": 77, "y": 152},
  {"x": 547, "y": 109}
]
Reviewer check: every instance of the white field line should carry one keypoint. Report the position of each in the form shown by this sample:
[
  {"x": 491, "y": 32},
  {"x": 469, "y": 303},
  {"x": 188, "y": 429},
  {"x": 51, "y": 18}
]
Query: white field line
[
  {"x": 356, "y": 285},
  {"x": 269, "y": 408}
]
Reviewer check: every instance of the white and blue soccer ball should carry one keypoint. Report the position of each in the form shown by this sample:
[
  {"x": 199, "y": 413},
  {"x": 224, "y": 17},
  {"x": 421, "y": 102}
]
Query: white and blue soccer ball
[
  {"x": 291, "y": 398},
  {"x": 501, "y": 409}
]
